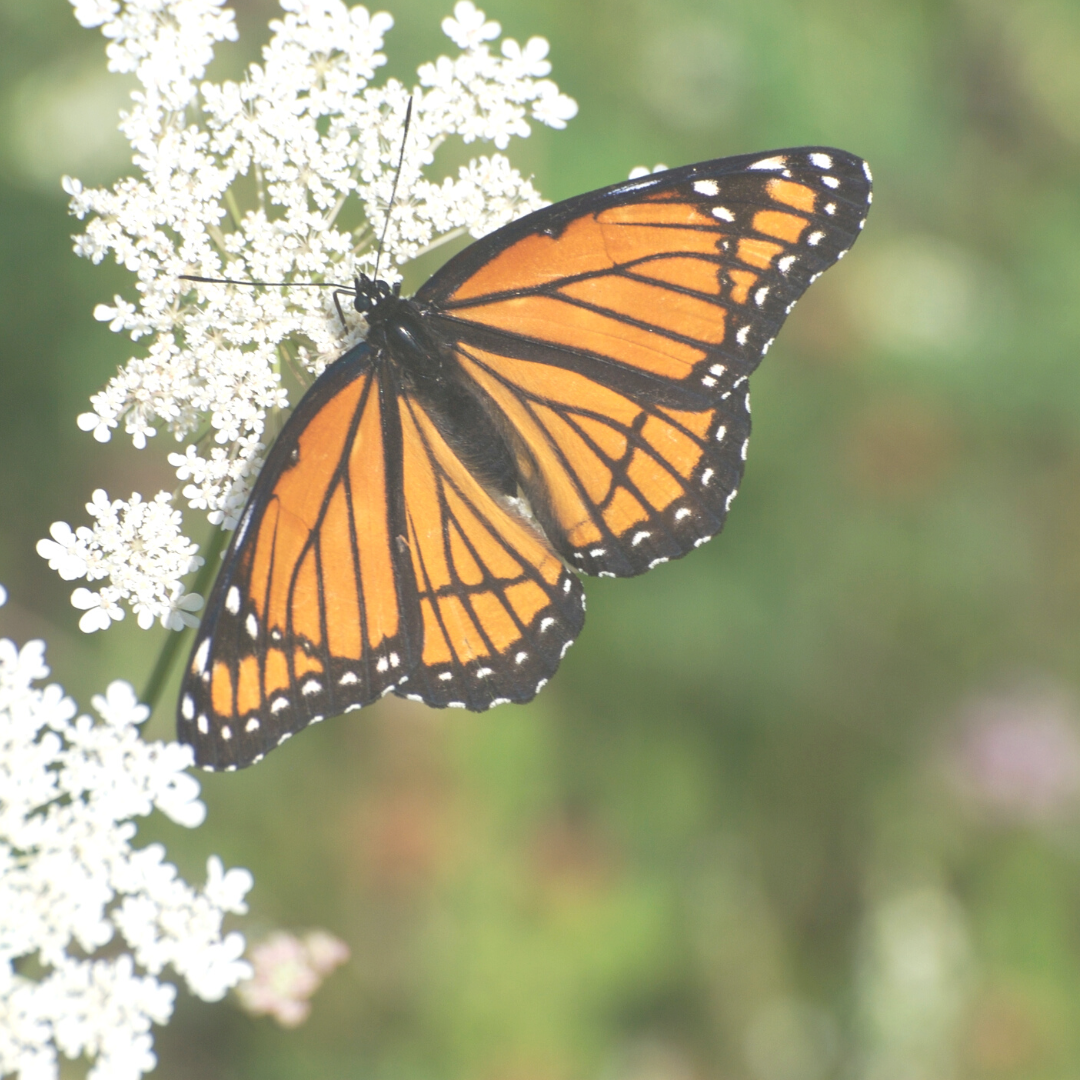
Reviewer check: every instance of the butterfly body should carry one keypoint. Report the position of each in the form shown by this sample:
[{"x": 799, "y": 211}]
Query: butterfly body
[
  {"x": 567, "y": 394},
  {"x": 412, "y": 355}
]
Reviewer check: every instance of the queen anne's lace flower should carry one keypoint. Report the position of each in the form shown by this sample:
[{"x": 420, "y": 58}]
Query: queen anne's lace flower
[
  {"x": 71, "y": 884},
  {"x": 469, "y": 27},
  {"x": 283, "y": 176},
  {"x": 139, "y": 547}
]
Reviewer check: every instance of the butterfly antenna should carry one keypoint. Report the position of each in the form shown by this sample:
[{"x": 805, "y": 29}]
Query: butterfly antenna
[
  {"x": 393, "y": 190},
  {"x": 339, "y": 290},
  {"x": 265, "y": 284}
]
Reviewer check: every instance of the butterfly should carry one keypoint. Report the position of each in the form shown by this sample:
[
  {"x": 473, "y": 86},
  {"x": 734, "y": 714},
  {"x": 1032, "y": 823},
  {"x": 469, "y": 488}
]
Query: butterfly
[{"x": 568, "y": 395}]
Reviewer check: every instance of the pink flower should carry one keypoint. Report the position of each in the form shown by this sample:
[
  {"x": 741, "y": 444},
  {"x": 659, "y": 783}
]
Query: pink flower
[
  {"x": 1019, "y": 754},
  {"x": 288, "y": 970}
]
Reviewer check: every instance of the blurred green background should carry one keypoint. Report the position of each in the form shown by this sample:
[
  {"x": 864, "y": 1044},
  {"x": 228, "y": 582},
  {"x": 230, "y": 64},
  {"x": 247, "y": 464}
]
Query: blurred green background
[{"x": 805, "y": 805}]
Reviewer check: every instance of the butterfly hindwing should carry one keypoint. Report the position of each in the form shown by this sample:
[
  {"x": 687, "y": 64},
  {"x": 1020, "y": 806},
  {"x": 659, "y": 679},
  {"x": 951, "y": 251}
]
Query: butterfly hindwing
[
  {"x": 620, "y": 484},
  {"x": 311, "y": 614},
  {"x": 498, "y": 608}
]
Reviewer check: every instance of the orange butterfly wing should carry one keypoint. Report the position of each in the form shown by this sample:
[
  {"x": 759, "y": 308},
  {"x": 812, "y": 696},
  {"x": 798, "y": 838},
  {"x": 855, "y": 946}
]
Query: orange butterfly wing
[
  {"x": 498, "y": 608},
  {"x": 369, "y": 559},
  {"x": 309, "y": 615},
  {"x": 614, "y": 334}
]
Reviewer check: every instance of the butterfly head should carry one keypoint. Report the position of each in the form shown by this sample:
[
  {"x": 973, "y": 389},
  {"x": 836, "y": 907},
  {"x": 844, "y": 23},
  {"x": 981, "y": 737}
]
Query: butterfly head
[{"x": 371, "y": 295}]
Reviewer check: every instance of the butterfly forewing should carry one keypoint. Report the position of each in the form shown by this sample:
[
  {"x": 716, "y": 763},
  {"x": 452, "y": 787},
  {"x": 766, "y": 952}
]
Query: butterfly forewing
[{"x": 311, "y": 614}]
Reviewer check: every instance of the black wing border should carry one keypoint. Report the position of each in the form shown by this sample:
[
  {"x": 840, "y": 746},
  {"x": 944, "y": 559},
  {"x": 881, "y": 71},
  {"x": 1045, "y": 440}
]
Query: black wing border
[{"x": 552, "y": 220}]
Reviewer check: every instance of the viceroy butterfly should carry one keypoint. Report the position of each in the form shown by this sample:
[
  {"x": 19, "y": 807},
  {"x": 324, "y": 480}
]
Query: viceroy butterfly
[{"x": 567, "y": 394}]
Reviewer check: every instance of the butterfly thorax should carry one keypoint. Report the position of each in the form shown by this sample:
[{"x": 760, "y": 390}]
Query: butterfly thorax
[
  {"x": 424, "y": 366},
  {"x": 396, "y": 331}
]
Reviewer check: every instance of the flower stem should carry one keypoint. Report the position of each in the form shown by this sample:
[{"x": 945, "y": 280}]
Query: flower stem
[
  {"x": 446, "y": 237},
  {"x": 233, "y": 207},
  {"x": 171, "y": 649}
]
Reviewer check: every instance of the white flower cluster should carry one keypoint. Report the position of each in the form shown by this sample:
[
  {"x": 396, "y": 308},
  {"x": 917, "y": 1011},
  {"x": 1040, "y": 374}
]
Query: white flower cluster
[
  {"x": 87, "y": 922},
  {"x": 139, "y": 547},
  {"x": 284, "y": 176}
]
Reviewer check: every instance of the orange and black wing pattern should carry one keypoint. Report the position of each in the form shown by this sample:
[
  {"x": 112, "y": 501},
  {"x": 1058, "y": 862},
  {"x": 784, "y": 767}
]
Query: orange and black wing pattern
[
  {"x": 311, "y": 614},
  {"x": 568, "y": 394},
  {"x": 498, "y": 609},
  {"x": 370, "y": 559},
  {"x": 614, "y": 333}
]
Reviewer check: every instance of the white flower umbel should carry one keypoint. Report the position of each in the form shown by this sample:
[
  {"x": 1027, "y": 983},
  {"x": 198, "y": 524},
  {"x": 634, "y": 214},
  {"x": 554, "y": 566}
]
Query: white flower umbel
[
  {"x": 283, "y": 176},
  {"x": 87, "y": 922},
  {"x": 139, "y": 548}
]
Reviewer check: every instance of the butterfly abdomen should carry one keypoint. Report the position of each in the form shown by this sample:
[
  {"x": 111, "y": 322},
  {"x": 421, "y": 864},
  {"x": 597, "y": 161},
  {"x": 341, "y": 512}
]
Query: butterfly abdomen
[{"x": 424, "y": 367}]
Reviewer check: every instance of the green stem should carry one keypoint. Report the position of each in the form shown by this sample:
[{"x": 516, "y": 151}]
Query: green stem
[
  {"x": 171, "y": 649},
  {"x": 453, "y": 234},
  {"x": 233, "y": 207}
]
